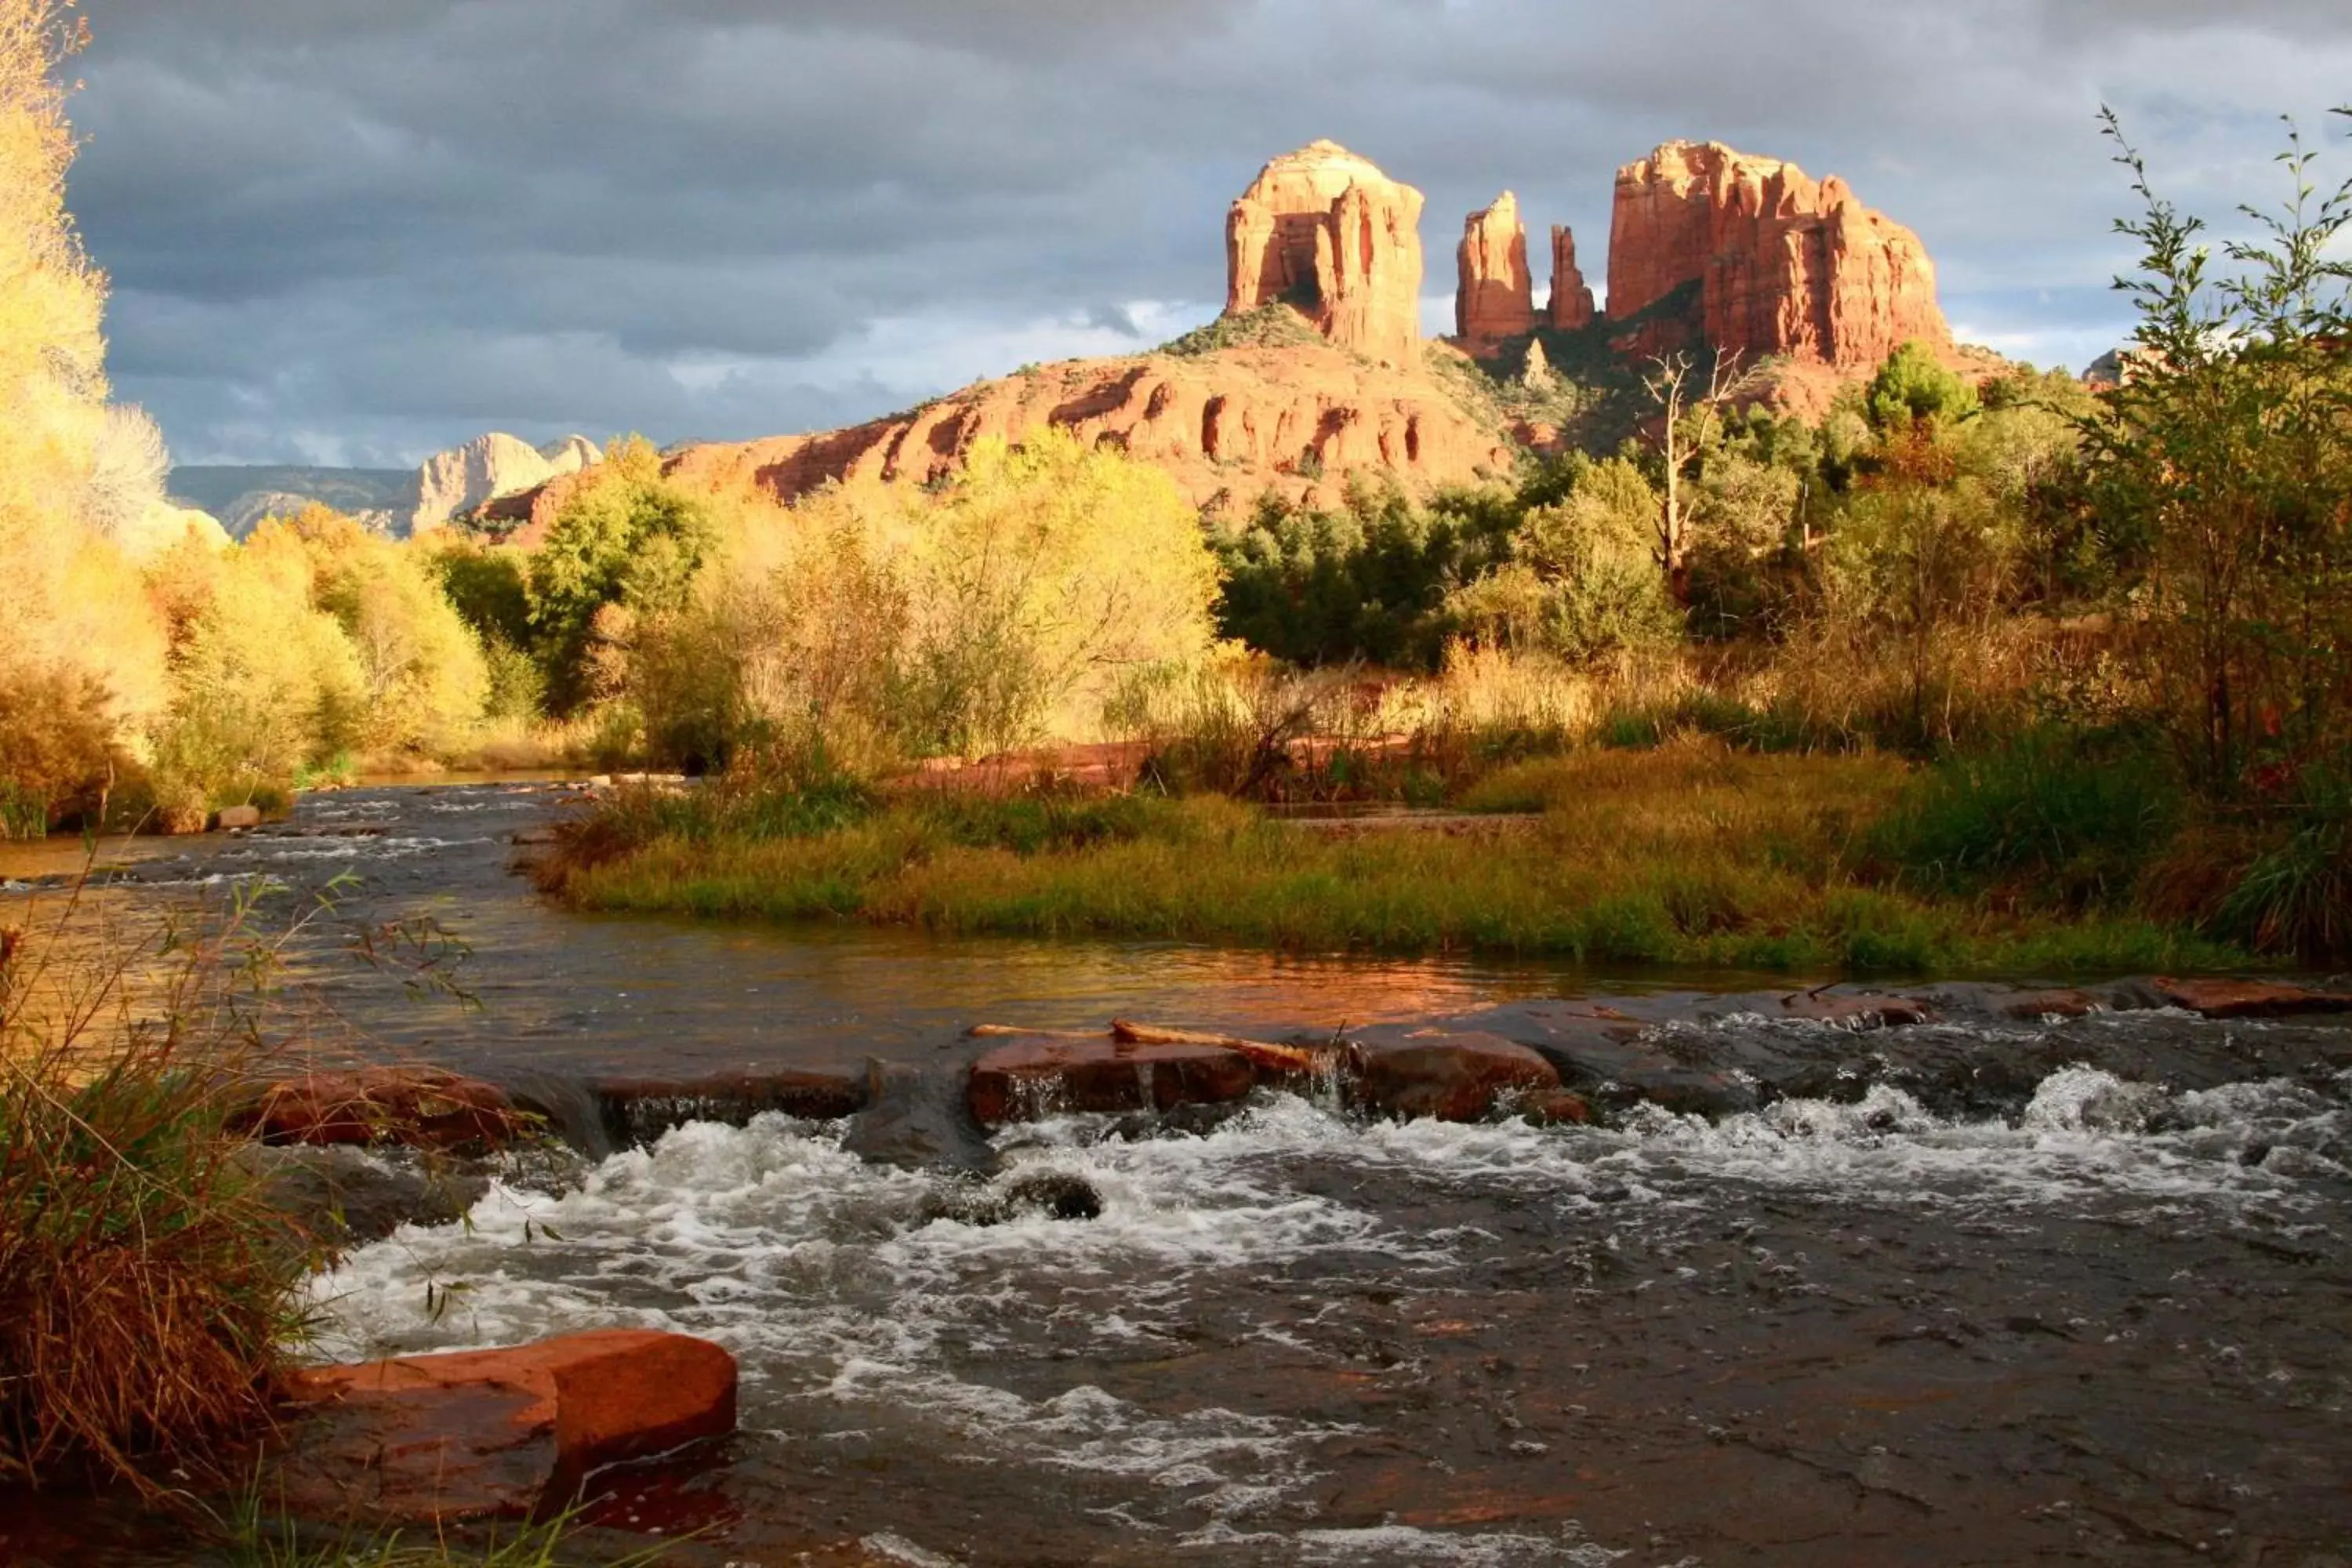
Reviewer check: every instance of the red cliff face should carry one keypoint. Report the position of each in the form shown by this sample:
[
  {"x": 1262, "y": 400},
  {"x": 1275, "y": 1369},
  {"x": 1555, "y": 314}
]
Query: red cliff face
[
  {"x": 1494, "y": 299},
  {"x": 1297, "y": 420},
  {"x": 1326, "y": 231},
  {"x": 1781, "y": 266},
  {"x": 1572, "y": 302}
]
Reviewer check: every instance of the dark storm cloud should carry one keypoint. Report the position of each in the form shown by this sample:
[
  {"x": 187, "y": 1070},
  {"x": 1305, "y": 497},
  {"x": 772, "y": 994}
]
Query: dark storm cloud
[{"x": 356, "y": 229}]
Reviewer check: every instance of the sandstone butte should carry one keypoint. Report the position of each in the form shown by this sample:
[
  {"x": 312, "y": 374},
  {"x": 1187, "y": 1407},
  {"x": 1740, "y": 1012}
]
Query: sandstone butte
[
  {"x": 1326, "y": 231},
  {"x": 1782, "y": 267},
  {"x": 1769, "y": 264}
]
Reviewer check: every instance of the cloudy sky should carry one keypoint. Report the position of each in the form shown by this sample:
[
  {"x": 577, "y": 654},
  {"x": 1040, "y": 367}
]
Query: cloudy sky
[{"x": 354, "y": 231}]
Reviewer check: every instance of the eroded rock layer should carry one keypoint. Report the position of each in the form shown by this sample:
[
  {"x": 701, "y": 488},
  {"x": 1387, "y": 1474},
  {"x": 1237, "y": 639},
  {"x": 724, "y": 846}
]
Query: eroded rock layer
[
  {"x": 1780, "y": 266},
  {"x": 1326, "y": 231},
  {"x": 1297, "y": 420}
]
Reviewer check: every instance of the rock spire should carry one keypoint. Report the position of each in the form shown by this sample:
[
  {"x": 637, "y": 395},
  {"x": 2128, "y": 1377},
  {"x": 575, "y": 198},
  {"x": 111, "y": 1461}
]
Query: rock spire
[{"x": 1494, "y": 299}]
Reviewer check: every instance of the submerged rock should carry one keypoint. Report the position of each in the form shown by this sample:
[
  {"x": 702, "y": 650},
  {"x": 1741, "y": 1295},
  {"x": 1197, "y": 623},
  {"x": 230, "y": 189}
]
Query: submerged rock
[
  {"x": 1056, "y": 1195},
  {"x": 1026, "y": 1079},
  {"x": 495, "y": 1434},
  {"x": 918, "y": 1120},
  {"x": 340, "y": 1196},
  {"x": 639, "y": 1111}
]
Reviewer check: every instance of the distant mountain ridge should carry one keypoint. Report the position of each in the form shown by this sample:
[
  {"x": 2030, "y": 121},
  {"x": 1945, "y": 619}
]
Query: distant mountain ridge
[
  {"x": 397, "y": 502},
  {"x": 241, "y": 494}
]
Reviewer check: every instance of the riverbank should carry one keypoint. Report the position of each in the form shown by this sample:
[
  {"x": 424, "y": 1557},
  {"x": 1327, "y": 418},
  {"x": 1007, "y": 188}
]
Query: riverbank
[{"x": 1687, "y": 855}]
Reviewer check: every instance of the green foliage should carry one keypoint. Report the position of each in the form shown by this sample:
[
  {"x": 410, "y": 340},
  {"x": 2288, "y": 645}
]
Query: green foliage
[
  {"x": 2073, "y": 817},
  {"x": 626, "y": 541},
  {"x": 2296, "y": 895},
  {"x": 2222, "y": 462},
  {"x": 1365, "y": 582},
  {"x": 1582, "y": 583},
  {"x": 1912, "y": 387},
  {"x": 1276, "y": 324},
  {"x": 1687, "y": 855}
]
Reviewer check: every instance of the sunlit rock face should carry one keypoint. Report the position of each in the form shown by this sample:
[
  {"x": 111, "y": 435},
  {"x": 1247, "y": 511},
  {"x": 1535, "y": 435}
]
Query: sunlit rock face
[
  {"x": 1493, "y": 299},
  {"x": 453, "y": 483},
  {"x": 1781, "y": 266},
  {"x": 1329, "y": 232},
  {"x": 1570, "y": 308}
]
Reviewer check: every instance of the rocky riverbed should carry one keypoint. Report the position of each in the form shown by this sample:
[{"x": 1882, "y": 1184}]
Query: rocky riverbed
[{"x": 1377, "y": 1264}]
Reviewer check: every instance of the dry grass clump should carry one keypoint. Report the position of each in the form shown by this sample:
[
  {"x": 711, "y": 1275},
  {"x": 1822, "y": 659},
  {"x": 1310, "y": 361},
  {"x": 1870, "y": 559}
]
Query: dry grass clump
[{"x": 146, "y": 1290}]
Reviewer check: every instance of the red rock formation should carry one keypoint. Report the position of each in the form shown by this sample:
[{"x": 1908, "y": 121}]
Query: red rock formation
[
  {"x": 1781, "y": 266},
  {"x": 1234, "y": 423},
  {"x": 495, "y": 1434},
  {"x": 1572, "y": 302},
  {"x": 1494, "y": 299},
  {"x": 418, "y": 1107},
  {"x": 1326, "y": 231}
]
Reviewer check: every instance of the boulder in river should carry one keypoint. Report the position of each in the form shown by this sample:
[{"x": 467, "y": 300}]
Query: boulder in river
[
  {"x": 1450, "y": 1077},
  {"x": 496, "y": 1433},
  {"x": 418, "y": 1108}
]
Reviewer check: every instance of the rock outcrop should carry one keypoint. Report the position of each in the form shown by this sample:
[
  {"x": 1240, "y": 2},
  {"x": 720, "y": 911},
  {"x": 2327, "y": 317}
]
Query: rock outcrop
[
  {"x": 452, "y": 484},
  {"x": 1570, "y": 308},
  {"x": 1326, "y": 231},
  {"x": 1494, "y": 299},
  {"x": 1780, "y": 266},
  {"x": 1229, "y": 424}
]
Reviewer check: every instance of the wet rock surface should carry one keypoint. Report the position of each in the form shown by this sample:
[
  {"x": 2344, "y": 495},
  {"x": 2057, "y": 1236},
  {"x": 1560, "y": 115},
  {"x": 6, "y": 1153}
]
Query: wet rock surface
[
  {"x": 1024, "y": 1079},
  {"x": 509, "y": 1433},
  {"x": 413, "y": 1107},
  {"x": 343, "y": 1197}
]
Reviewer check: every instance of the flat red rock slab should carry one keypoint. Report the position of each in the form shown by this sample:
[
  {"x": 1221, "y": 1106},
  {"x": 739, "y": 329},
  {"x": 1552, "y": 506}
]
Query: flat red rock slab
[
  {"x": 1854, "y": 1012},
  {"x": 1454, "y": 1078},
  {"x": 1025, "y": 1079},
  {"x": 423, "y": 1108},
  {"x": 2249, "y": 999},
  {"x": 497, "y": 1434},
  {"x": 2052, "y": 1004}
]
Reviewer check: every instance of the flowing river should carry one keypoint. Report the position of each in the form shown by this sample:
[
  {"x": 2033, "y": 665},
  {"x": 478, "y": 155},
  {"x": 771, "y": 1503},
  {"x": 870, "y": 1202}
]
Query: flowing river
[{"x": 2085, "y": 1311}]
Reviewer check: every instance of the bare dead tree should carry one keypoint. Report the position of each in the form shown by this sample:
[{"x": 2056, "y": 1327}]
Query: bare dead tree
[{"x": 1673, "y": 384}]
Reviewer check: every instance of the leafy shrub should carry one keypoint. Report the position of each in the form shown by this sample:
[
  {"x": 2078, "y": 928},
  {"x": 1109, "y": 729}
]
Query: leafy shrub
[{"x": 2296, "y": 897}]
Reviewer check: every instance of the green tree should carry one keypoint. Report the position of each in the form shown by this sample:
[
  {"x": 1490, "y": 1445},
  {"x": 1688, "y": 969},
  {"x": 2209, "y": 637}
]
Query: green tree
[
  {"x": 626, "y": 541},
  {"x": 1913, "y": 386},
  {"x": 2227, "y": 456}
]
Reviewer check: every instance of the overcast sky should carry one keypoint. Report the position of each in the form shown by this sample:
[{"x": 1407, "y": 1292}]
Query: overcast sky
[{"x": 355, "y": 231}]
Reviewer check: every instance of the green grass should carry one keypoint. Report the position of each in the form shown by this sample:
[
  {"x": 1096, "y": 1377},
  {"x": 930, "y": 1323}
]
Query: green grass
[{"x": 1687, "y": 855}]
